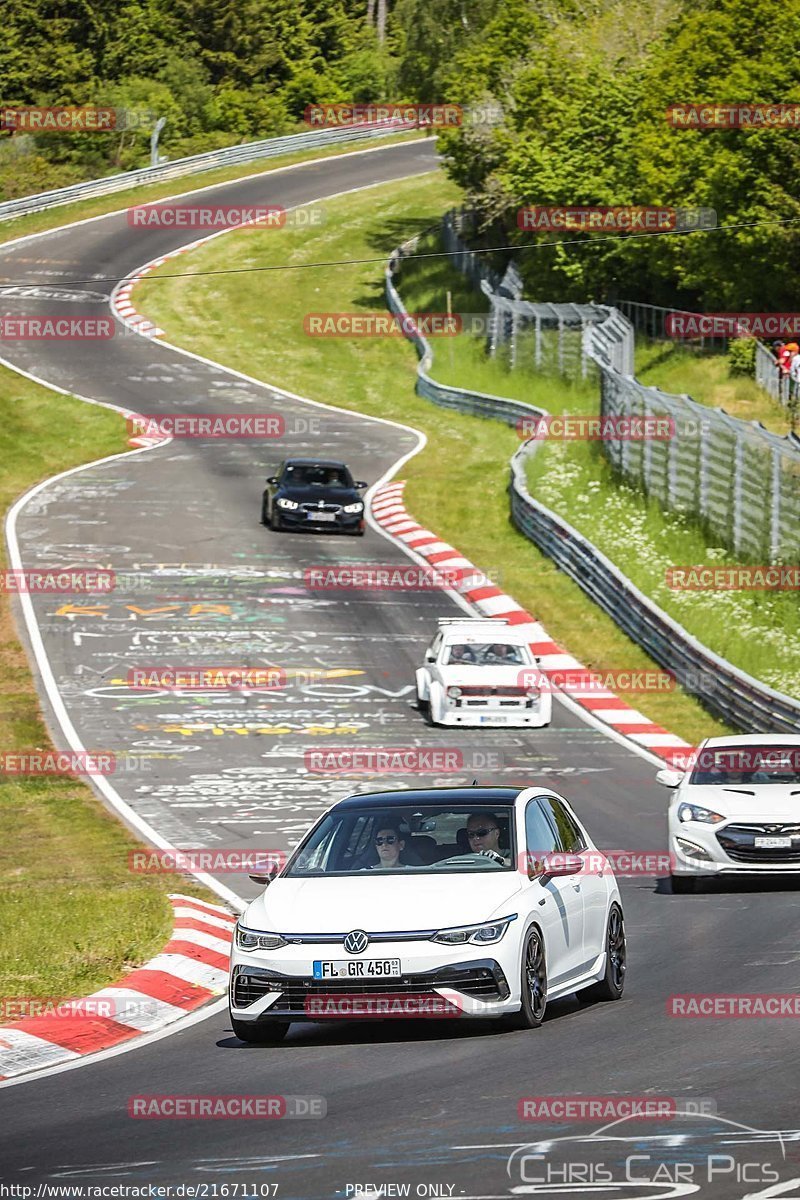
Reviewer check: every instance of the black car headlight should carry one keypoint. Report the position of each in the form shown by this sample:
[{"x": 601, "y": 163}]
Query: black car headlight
[
  {"x": 284, "y": 503},
  {"x": 253, "y": 939},
  {"x": 479, "y": 935},
  {"x": 353, "y": 508}
]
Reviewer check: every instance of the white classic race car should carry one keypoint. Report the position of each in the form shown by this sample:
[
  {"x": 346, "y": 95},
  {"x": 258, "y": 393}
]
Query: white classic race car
[{"x": 482, "y": 672}]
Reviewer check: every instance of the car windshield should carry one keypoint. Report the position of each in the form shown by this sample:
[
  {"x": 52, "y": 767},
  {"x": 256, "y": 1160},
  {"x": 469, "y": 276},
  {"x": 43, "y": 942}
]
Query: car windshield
[
  {"x": 313, "y": 476},
  {"x": 434, "y": 839},
  {"x": 484, "y": 653},
  {"x": 734, "y": 765}
]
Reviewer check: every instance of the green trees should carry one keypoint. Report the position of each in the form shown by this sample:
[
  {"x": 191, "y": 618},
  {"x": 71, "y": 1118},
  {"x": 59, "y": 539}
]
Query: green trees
[{"x": 585, "y": 92}]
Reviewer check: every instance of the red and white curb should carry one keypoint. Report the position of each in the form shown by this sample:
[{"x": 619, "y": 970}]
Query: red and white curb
[
  {"x": 191, "y": 970},
  {"x": 123, "y": 309},
  {"x": 389, "y": 510}
]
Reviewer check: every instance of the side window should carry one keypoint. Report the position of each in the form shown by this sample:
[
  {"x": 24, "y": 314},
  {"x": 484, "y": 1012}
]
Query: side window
[
  {"x": 569, "y": 835},
  {"x": 358, "y": 843},
  {"x": 436, "y": 645},
  {"x": 540, "y": 838}
]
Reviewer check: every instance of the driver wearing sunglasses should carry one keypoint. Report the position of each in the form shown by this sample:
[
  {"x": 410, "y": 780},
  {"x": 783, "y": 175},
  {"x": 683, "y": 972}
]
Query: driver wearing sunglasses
[
  {"x": 389, "y": 844},
  {"x": 483, "y": 834}
]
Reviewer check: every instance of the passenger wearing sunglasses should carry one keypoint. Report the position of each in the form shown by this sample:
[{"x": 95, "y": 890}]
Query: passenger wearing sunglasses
[
  {"x": 389, "y": 844},
  {"x": 483, "y": 834}
]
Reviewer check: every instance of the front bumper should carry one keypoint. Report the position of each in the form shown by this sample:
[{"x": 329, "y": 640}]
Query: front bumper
[
  {"x": 496, "y": 711},
  {"x": 474, "y": 987},
  {"x": 726, "y": 849},
  {"x": 297, "y": 519}
]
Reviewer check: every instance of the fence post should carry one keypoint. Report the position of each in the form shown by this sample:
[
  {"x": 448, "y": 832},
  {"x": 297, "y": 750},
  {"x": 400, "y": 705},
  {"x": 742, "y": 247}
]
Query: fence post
[
  {"x": 738, "y": 469},
  {"x": 775, "y": 507}
]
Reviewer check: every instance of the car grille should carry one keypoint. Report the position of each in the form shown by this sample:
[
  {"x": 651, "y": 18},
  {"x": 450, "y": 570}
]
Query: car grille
[
  {"x": 317, "y": 507},
  {"x": 478, "y": 981},
  {"x": 478, "y": 690},
  {"x": 738, "y": 843}
]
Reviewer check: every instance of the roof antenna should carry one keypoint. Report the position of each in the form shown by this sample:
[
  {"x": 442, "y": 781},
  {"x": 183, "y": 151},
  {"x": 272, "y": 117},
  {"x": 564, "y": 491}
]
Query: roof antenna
[{"x": 475, "y": 783}]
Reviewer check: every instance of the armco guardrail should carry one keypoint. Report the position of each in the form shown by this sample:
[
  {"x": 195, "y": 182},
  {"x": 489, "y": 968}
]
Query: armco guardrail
[
  {"x": 734, "y": 696},
  {"x": 230, "y": 156},
  {"x": 731, "y": 694}
]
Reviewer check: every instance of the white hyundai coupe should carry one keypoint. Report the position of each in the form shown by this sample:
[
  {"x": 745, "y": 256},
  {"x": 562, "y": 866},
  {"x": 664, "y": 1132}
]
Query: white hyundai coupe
[
  {"x": 736, "y": 810},
  {"x": 481, "y": 901},
  {"x": 481, "y": 671}
]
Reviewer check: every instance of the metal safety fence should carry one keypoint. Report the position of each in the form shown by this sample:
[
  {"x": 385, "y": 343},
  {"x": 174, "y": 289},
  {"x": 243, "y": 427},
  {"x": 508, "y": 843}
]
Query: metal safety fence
[
  {"x": 741, "y": 481},
  {"x": 729, "y": 693},
  {"x": 196, "y": 163}
]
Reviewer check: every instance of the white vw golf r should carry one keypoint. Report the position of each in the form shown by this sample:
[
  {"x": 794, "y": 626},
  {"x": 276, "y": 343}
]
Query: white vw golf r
[{"x": 492, "y": 899}]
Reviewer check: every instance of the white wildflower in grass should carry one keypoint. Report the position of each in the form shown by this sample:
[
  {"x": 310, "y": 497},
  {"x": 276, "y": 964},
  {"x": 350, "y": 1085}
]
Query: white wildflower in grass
[{"x": 757, "y": 630}]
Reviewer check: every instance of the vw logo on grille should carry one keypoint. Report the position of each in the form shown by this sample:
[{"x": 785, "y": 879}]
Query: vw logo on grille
[{"x": 356, "y": 941}]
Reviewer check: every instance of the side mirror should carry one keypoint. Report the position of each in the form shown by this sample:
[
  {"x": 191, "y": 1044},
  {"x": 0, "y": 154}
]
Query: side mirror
[
  {"x": 360, "y": 484},
  {"x": 545, "y": 867},
  {"x": 669, "y": 778},
  {"x": 430, "y": 656},
  {"x": 266, "y": 876},
  {"x": 560, "y": 865},
  {"x": 273, "y": 479}
]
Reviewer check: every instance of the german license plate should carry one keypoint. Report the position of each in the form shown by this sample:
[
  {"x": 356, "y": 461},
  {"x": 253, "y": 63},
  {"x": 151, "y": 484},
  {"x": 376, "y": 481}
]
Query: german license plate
[
  {"x": 773, "y": 843},
  {"x": 321, "y": 516},
  {"x": 368, "y": 968},
  {"x": 494, "y": 719}
]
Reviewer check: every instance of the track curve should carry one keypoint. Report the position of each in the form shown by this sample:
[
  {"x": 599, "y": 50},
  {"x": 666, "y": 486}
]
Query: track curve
[{"x": 420, "y": 1105}]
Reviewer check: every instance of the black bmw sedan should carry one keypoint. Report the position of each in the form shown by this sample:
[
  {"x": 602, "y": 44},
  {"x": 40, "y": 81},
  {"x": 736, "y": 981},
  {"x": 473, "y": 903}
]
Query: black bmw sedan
[{"x": 313, "y": 493}]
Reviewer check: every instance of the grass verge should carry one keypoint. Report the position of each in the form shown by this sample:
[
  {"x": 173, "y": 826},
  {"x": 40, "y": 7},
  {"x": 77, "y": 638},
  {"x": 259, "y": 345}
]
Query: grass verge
[
  {"x": 707, "y": 379},
  {"x": 73, "y": 917},
  {"x": 458, "y": 484}
]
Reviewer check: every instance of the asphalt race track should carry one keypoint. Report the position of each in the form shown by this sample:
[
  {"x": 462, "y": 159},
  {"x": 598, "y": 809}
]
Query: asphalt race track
[{"x": 429, "y": 1104}]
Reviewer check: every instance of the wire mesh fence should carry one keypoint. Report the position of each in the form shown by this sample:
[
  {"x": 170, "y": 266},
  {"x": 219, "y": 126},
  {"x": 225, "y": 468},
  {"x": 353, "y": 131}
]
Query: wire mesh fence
[{"x": 735, "y": 477}]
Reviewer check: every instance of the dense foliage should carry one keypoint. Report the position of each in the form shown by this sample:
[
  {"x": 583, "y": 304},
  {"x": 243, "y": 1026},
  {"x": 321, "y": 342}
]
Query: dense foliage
[{"x": 580, "y": 86}]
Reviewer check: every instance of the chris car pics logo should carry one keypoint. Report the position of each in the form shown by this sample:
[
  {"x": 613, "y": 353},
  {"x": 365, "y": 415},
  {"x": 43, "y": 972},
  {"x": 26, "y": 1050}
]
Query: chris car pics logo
[{"x": 680, "y": 1152}]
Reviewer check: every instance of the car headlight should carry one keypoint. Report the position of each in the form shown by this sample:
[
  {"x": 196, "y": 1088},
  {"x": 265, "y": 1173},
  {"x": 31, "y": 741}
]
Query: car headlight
[
  {"x": 352, "y": 508},
  {"x": 455, "y": 692},
  {"x": 706, "y": 816},
  {"x": 251, "y": 939},
  {"x": 479, "y": 935},
  {"x": 282, "y": 503}
]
